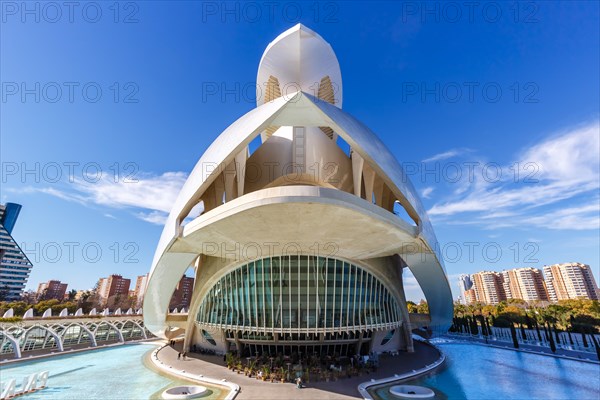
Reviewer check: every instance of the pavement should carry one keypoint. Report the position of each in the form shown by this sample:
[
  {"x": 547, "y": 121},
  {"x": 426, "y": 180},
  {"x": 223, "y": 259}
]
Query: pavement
[{"x": 344, "y": 388}]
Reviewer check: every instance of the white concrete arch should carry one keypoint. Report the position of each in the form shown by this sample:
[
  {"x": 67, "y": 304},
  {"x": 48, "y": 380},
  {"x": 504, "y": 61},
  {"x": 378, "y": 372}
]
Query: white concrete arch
[
  {"x": 300, "y": 109},
  {"x": 110, "y": 325},
  {"x": 14, "y": 342},
  {"x": 56, "y": 336},
  {"x": 85, "y": 328},
  {"x": 133, "y": 322}
]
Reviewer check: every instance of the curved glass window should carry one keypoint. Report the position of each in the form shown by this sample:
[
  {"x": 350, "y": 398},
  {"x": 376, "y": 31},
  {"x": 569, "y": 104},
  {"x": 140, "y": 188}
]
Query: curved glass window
[
  {"x": 299, "y": 294},
  {"x": 208, "y": 337},
  {"x": 388, "y": 337}
]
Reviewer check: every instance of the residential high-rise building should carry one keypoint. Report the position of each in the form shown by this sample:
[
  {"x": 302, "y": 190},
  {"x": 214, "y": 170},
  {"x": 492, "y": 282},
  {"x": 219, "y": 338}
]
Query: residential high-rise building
[
  {"x": 525, "y": 284},
  {"x": 112, "y": 287},
  {"x": 183, "y": 293},
  {"x": 470, "y": 296},
  {"x": 488, "y": 287},
  {"x": 51, "y": 290},
  {"x": 571, "y": 281},
  {"x": 464, "y": 284},
  {"x": 140, "y": 289},
  {"x": 14, "y": 264}
]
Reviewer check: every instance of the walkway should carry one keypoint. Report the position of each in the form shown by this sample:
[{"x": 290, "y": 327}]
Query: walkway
[{"x": 344, "y": 388}]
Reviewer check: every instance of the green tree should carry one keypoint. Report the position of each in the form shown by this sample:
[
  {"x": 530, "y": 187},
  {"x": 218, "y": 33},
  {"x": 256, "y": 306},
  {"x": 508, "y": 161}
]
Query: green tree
[
  {"x": 412, "y": 307},
  {"x": 423, "y": 307},
  {"x": 43, "y": 305},
  {"x": 71, "y": 295}
]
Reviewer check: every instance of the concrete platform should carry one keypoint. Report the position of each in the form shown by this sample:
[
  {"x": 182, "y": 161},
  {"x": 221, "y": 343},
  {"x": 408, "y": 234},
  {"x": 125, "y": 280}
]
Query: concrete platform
[{"x": 344, "y": 388}]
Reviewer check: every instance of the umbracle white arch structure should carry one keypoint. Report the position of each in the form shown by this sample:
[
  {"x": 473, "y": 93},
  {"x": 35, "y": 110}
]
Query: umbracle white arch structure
[
  {"x": 22, "y": 338},
  {"x": 298, "y": 58}
]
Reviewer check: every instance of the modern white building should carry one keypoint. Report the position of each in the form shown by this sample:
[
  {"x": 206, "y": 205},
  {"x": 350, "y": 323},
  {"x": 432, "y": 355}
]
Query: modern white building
[
  {"x": 15, "y": 267},
  {"x": 297, "y": 245}
]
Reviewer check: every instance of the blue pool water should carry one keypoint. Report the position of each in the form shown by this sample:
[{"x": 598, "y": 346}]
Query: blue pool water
[
  {"x": 112, "y": 373},
  {"x": 477, "y": 372}
]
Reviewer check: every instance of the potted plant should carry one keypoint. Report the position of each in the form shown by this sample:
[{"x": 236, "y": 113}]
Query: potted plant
[
  {"x": 282, "y": 374},
  {"x": 266, "y": 372},
  {"x": 239, "y": 367}
]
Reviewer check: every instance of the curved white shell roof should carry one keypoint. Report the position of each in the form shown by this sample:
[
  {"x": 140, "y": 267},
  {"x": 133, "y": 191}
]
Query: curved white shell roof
[
  {"x": 299, "y": 58},
  {"x": 298, "y": 109}
]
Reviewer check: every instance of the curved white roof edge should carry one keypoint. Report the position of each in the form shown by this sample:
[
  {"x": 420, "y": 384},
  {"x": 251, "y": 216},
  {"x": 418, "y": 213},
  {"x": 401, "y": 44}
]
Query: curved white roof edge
[
  {"x": 428, "y": 268},
  {"x": 299, "y": 58}
]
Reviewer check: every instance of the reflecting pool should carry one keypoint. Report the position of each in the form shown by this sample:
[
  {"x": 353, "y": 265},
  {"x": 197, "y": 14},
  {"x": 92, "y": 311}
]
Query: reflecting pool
[
  {"x": 477, "y": 372},
  {"x": 111, "y": 373}
]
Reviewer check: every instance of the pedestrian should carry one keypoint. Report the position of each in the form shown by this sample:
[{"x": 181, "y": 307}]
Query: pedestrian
[
  {"x": 178, "y": 356},
  {"x": 299, "y": 383}
]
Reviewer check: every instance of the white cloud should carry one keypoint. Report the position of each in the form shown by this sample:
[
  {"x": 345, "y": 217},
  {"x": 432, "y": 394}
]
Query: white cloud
[
  {"x": 154, "y": 217},
  {"x": 581, "y": 217},
  {"x": 155, "y": 194},
  {"x": 150, "y": 192},
  {"x": 570, "y": 157},
  {"x": 426, "y": 193},
  {"x": 445, "y": 155},
  {"x": 552, "y": 174}
]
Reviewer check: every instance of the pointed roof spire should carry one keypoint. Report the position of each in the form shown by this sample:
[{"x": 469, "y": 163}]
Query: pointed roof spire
[{"x": 298, "y": 59}]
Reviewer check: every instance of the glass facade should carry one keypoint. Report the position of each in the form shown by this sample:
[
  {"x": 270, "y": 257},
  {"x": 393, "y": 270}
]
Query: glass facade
[
  {"x": 14, "y": 264},
  {"x": 299, "y": 294}
]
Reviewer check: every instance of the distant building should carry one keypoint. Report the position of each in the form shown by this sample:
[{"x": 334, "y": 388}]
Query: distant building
[
  {"x": 183, "y": 293},
  {"x": 140, "y": 289},
  {"x": 81, "y": 294},
  {"x": 470, "y": 296},
  {"x": 51, "y": 290},
  {"x": 525, "y": 284},
  {"x": 113, "y": 287},
  {"x": 14, "y": 264},
  {"x": 488, "y": 287},
  {"x": 570, "y": 281},
  {"x": 464, "y": 284}
]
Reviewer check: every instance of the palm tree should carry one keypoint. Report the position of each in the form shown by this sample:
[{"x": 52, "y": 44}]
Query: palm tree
[
  {"x": 570, "y": 337},
  {"x": 523, "y": 335},
  {"x": 513, "y": 334},
  {"x": 556, "y": 334},
  {"x": 596, "y": 345},
  {"x": 552, "y": 344},
  {"x": 583, "y": 338}
]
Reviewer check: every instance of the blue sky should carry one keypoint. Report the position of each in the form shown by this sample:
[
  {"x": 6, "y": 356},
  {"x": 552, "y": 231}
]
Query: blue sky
[{"x": 493, "y": 111}]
